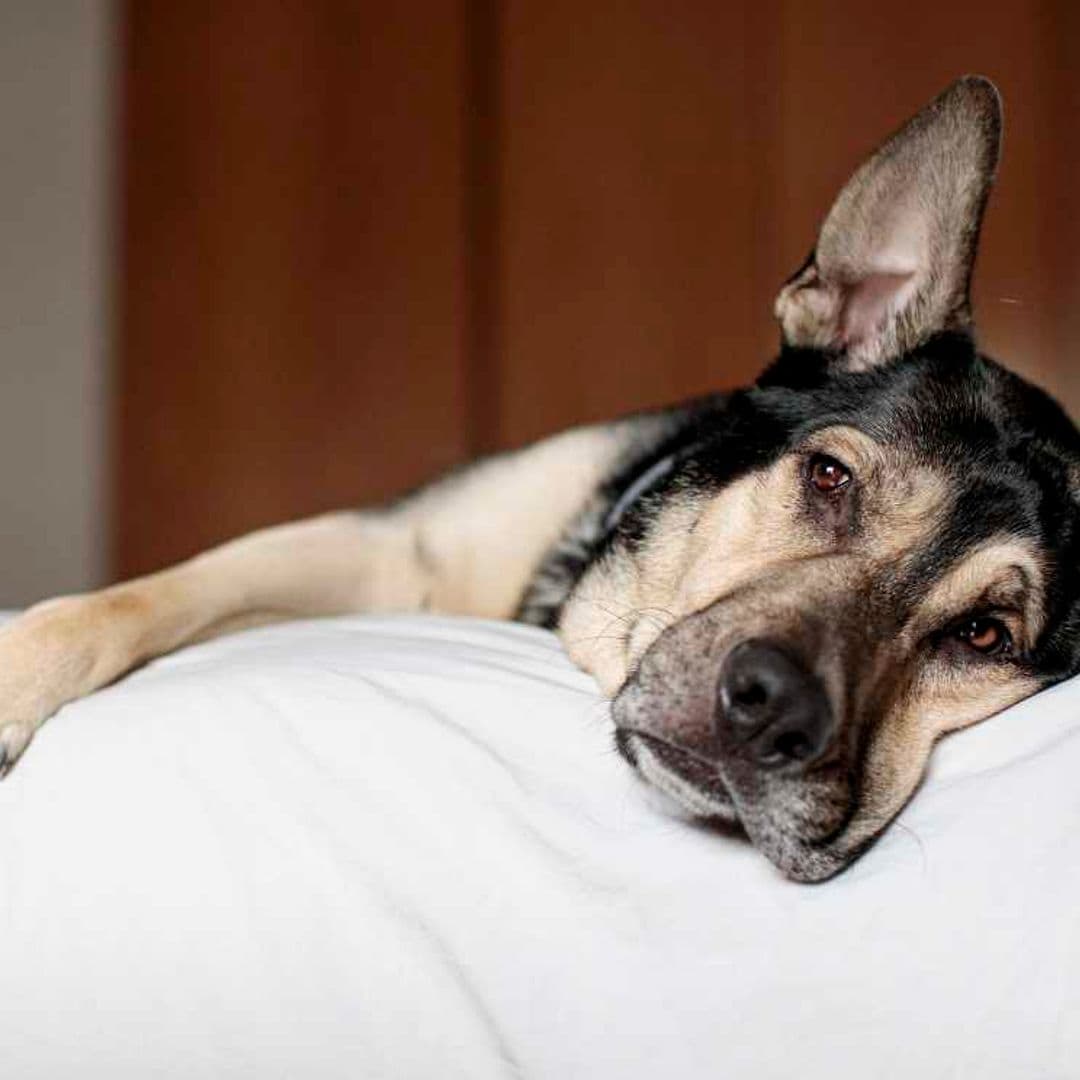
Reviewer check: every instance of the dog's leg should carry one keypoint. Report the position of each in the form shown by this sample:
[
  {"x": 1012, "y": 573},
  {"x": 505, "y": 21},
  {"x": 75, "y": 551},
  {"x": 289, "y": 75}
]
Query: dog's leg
[{"x": 465, "y": 545}]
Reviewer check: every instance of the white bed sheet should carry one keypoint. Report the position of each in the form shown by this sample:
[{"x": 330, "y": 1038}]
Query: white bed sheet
[{"x": 405, "y": 848}]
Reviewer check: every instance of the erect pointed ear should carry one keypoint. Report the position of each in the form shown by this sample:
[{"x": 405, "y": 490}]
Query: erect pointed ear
[{"x": 893, "y": 261}]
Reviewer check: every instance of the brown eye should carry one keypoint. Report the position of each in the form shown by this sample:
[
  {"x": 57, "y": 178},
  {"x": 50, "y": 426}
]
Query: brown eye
[
  {"x": 828, "y": 475},
  {"x": 985, "y": 635}
]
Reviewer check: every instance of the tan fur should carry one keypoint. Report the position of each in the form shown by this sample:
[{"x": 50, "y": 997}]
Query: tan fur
[
  {"x": 466, "y": 545},
  {"x": 700, "y": 551},
  {"x": 747, "y": 563},
  {"x": 942, "y": 700},
  {"x": 1004, "y": 574},
  {"x": 947, "y": 700},
  {"x": 939, "y": 703},
  {"x": 486, "y": 531}
]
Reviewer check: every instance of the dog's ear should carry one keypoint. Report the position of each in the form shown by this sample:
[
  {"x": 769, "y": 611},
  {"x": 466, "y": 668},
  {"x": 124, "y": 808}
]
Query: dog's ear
[{"x": 893, "y": 260}]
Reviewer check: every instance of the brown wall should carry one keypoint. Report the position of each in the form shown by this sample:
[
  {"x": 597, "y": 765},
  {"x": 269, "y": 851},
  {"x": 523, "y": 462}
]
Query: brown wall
[{"x": 364, "y": 241}]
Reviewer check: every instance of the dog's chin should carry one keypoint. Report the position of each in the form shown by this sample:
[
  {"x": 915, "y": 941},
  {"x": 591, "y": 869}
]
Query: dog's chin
[{"x": 697, "y": 788}]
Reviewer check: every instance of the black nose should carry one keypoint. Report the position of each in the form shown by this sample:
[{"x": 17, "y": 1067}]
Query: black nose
[{"x": 775, "y": 709}]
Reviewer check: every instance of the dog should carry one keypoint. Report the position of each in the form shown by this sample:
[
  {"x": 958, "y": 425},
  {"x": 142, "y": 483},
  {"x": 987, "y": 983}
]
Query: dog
[{"x": 789, "y": 591}]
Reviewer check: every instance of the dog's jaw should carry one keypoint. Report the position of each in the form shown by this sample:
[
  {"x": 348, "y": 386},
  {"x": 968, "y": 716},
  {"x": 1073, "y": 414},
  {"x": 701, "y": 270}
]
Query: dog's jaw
[
  {"x": 704, "y": 796},
  {"x": 699, "y": 792}
]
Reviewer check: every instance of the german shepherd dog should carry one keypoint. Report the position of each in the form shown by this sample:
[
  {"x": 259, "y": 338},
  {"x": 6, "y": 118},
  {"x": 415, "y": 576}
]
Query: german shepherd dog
[{"x": 789, "y": 591}]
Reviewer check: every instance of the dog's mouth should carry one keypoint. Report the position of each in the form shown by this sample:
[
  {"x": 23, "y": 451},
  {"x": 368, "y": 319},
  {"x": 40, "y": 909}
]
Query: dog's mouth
[
  {"x": 750, "y": 728},
  {"x": 690, "y": 779},
  {"x": 799, "y": 826}
]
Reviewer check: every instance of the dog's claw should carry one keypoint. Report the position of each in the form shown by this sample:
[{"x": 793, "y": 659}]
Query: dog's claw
[{"x": 14, "y": 738}]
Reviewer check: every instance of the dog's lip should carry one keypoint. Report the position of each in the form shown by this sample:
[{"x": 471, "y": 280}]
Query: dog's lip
[
  {"x": 666, "y": 746},
  {"x": 704, "y": 775},
  {"x": 692, "y": 766}
]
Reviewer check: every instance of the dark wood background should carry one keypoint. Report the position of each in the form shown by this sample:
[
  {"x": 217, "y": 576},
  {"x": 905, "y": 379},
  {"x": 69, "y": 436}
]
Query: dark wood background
[{"x": 364, "y": 241}]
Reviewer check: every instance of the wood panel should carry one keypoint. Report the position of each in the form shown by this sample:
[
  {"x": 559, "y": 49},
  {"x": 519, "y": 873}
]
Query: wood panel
[
  {"x": 631, "y": 160},
  {"x": 1059, "y": 236},
  {"x": 665, "y": 167},
  {"x": 362, "y": 242},
  {"x": 293, "y": 325}
]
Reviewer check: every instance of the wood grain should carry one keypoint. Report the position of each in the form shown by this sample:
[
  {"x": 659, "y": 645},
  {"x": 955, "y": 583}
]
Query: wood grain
[
  {"x": 363, "y": 242},
  {"x": 292, "y": 327},
  {"x": 631, "y": 164}
]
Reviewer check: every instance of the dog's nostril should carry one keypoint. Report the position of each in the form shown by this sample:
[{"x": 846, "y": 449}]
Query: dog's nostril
[
  {"x": 753, "y": 695},
  {"x": 793, "y": 745},
  {"x": 772, "y": 707}
]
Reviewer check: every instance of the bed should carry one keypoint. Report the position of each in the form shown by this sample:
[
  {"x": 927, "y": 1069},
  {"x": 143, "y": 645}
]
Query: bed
[{"x": 405, "y": 847}]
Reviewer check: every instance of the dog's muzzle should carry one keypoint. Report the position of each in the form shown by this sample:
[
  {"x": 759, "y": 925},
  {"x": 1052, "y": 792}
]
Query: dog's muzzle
[{"x": 748, "y": 731}]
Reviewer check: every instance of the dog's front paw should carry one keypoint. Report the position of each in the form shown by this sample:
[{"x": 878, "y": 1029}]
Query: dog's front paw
[{"x": 47, "y": 655}]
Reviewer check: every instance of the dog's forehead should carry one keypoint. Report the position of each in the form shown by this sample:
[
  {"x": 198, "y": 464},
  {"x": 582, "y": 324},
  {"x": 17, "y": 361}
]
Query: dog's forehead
[
  {"x": 946, "y": 397},
  {"x": 949, "y": 411}
]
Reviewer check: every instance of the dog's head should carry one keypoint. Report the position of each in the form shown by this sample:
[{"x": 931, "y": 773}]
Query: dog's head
[{"x": 873, "y": 546}]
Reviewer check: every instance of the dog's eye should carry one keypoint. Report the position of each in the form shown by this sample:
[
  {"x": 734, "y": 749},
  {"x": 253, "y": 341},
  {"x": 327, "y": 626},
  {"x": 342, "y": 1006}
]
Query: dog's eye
[
  {"x": 984, "y": 634},
  {"x": 827, "y": 475}
]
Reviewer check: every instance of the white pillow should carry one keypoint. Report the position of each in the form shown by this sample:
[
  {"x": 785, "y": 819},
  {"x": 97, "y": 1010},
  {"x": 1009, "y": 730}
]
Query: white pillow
[{"x": 405, "y": 848}]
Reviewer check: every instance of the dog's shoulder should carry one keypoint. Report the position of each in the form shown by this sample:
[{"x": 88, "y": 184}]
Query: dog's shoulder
[{"x": 650, "y": 446}]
